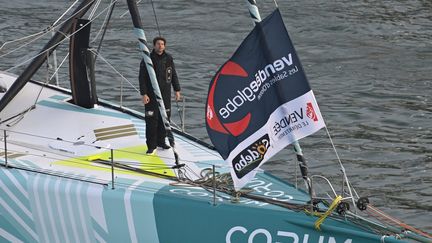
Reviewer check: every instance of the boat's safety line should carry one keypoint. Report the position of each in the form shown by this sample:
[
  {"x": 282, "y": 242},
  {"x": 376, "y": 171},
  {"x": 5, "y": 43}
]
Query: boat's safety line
[
  {"x": 134, "y": 162},
  {"x": 137, "y": 170},
  {"x": 223, "y": 183},
  {"x": 53, "y": 173}
]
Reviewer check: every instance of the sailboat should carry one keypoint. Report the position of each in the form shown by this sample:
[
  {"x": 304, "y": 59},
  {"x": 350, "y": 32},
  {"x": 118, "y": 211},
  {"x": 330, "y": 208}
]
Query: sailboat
[{"x": 83, "y": 176}]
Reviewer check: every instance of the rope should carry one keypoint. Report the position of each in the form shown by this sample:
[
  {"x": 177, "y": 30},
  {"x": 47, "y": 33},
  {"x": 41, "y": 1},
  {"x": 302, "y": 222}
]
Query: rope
[
  {"x": 380, "y": 215},
  {"x": 332, "y": 207}
]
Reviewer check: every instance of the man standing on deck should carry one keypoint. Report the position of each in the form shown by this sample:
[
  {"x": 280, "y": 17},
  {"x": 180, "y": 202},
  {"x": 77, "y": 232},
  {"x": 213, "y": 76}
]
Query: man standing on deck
[{"x": 166, "y": 76}]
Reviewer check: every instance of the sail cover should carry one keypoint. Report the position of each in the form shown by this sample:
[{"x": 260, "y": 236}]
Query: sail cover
[{"x": 260, "y": 101}]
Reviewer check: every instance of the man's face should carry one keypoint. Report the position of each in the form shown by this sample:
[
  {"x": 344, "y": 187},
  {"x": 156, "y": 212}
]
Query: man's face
[{"x": 159, "y": 46}]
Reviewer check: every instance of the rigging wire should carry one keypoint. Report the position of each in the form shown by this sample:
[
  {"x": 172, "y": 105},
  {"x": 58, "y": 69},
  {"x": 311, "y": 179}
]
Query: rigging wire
[
  {"x": 95, "y": 7},
  {"x": 20, "y": 39},
  {"x": 56, "y": 44},
  {"x": 65, "y": 12},
  {"x": 126, "y": 12},
  {"x": 102, "y": 26},
  {"x": 114, "y": 69},
  {"x": 52, "y": 26},
  {"x": 44, "y": 32},
  {"x": 155, "y": 16},
  {"x": 154, "y": 13},
  {"x": 59, "y": 66},
  {"x": 105, "y": 26},
  {"x": 47, "y": 52},
  {"x": 342, "y": 167}
]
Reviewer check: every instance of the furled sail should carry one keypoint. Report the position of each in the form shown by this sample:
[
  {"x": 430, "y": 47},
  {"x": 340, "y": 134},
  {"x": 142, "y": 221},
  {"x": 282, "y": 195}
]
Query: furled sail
[{"x": 260, "y": 101}]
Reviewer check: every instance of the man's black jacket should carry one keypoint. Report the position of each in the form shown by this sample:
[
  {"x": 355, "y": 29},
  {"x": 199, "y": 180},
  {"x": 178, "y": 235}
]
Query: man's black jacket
[{"x": 166, "y": 76}]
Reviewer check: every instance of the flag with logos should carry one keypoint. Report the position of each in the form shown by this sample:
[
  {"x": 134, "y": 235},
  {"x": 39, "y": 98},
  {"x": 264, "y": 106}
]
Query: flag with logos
[{"x": 260, "y": 101}]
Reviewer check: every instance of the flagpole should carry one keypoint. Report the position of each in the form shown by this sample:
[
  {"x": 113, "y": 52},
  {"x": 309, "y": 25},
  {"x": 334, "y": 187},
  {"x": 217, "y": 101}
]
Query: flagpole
[
  {"x": 255, "y": 15},
  {"x": 143, "y": 45}
]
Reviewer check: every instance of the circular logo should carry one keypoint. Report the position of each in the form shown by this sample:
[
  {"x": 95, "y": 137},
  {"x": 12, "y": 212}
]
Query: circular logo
[{"x": 235, "y": 128}]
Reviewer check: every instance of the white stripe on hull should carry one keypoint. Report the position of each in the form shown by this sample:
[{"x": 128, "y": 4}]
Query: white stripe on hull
[{"x": 8, "y": 236}]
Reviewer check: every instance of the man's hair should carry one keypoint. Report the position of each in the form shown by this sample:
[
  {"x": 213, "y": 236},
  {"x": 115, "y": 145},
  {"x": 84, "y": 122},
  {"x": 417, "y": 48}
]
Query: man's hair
[{"x": 159, "y": 38}]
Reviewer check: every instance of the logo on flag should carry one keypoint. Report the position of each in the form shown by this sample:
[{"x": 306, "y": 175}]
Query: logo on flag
[
  {"x": 311, "y": 112},
  {"x": 251, "y": 157},
  {"x": 234, "y": 128}
]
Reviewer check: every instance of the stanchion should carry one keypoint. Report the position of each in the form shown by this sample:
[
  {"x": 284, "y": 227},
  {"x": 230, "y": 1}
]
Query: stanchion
[
  {"x": 214, "y": 185},
  {"x": 5, "y": 148},
  {"x": 112, "y": 169}
]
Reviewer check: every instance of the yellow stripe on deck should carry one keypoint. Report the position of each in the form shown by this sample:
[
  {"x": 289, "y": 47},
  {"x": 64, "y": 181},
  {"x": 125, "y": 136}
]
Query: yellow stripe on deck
[{"x": 132, "y": 156}]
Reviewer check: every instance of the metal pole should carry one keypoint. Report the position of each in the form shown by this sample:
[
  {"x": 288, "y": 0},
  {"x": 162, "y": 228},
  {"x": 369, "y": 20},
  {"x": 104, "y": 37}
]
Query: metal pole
[
  {"x": 183, "y": 114},
  {"x": 121, "y": 93},
  {"x": 214, "y": 185},
  {"x": 5, "y": 148},
  {"x": 112, "y": 169}
]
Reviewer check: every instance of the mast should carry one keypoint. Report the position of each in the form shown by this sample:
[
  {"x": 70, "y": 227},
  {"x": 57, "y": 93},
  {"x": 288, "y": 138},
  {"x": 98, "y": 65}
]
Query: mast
[
  {"x": 41, "y": 58},
  {"x": 255, "y": 15},
  {"x": 145, "y": 52},
  {"x": 253, "y": 11}
]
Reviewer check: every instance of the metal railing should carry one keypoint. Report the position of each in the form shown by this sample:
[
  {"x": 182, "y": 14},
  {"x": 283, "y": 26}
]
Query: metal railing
[
  {"x": 57, "y": 155},
  {"x": 16, "y": 138}
]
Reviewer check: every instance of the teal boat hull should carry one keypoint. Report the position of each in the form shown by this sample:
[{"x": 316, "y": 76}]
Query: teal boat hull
[{"x": 44, "y": 208}]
